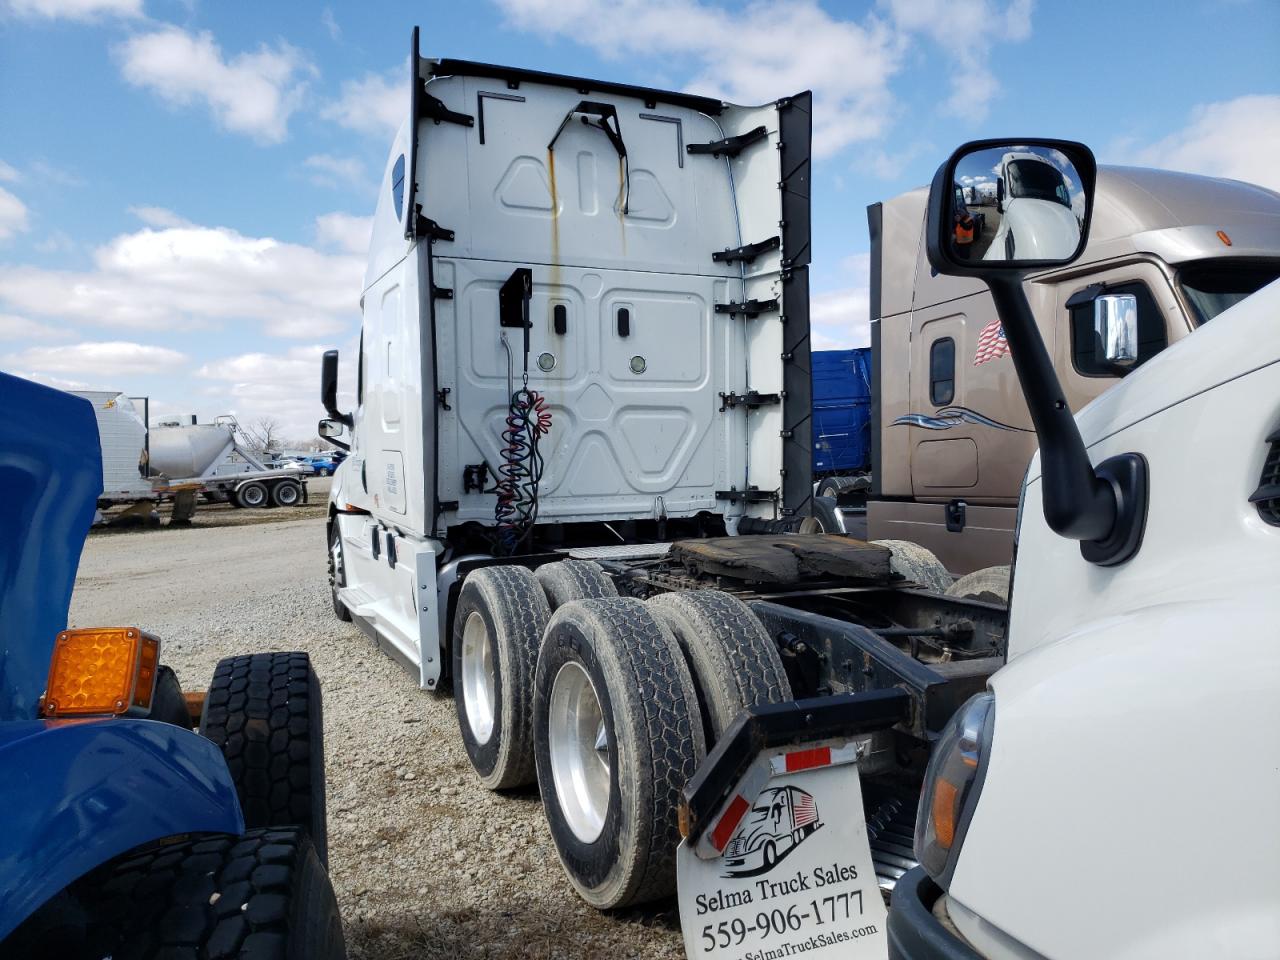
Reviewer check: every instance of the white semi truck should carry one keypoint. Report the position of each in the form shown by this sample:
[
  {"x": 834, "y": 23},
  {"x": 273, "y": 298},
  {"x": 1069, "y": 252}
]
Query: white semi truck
[
  {"x": 1072, "y": 809},
  {"x": 580, "y": 448}
]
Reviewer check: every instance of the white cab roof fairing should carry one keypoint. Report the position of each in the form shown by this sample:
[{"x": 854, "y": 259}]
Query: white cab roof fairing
[{"x": 387, "y": 244}]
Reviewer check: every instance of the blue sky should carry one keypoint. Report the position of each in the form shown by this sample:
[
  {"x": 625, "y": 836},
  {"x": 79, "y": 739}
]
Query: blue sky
[{"x": 184, "y": 185}]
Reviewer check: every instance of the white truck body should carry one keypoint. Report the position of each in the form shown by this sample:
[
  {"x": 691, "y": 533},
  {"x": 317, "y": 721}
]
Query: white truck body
[
  {"x": 1139, "y": 710},
  {"x": 630, "y": 344}
]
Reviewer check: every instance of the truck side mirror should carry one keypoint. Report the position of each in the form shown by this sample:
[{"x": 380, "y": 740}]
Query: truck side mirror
[
  {"x": 331, "y": 430},
  {"x": 1115, "y": 325},
  {"x": 1046, "y": 188},
  {"x": 329, "y": 388},
  {"x": 1045, "y": 192}
]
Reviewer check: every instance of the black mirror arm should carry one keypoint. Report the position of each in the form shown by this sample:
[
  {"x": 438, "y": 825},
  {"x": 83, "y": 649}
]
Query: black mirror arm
[
  {"x": 1078, "y": 504},
  {"x": 329, "y": 389}
]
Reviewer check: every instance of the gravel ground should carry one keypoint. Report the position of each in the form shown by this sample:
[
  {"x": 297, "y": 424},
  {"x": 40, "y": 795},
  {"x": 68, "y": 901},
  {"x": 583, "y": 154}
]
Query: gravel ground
[{"x": 426, "y": 863}]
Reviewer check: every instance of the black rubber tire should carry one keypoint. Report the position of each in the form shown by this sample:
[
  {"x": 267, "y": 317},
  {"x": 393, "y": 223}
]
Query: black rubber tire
[
  {"x": 655, "y": 741},
  {"x": 264, "y": 712},
  {"x": 990, "y": 585},
  {"x": 827, "y": 514},
  {"x": 248, "y": 495},
  {"x": 260, "y": 896},
  {"x": 511, "y": 605},
  {"x": 734, "y": 662},
  {"x": 169, "y": 705},
  {"x": 574, "y": 580},
  {"x": 286, "y": 493},
  {"x": 918, "y": 564},
  {"x": 833, "y": 486},
  {"x": 337, "y": 575}
]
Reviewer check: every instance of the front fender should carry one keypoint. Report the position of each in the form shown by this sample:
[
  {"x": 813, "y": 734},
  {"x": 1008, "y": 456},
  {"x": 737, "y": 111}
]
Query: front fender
[{"x": 77, "y": 794}]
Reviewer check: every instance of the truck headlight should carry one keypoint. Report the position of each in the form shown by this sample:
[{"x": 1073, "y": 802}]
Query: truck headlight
[{"x": 951, "y": 786}]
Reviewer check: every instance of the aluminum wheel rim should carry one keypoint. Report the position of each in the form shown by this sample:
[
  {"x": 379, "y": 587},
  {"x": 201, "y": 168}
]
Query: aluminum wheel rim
[
  {"x": 477, "y": 678},
  {"x": 579, "y": 748},
  {"x": 337, "y": 576},
  {"x": 288, "y": 496},
  {"x": 254, "y": 495}
]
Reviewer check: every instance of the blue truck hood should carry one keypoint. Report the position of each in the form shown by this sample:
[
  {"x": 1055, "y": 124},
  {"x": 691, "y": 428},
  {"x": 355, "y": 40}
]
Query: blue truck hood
[{"x": 50, "y": 479}]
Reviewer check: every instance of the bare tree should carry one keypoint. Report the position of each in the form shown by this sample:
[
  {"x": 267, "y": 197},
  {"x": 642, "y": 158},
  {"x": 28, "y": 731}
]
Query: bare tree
[{"x": 263, "y": 433}]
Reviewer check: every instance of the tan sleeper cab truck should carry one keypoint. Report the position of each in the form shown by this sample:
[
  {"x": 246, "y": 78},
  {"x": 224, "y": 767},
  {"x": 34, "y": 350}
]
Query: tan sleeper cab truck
[{"x": 951, "y": 436}]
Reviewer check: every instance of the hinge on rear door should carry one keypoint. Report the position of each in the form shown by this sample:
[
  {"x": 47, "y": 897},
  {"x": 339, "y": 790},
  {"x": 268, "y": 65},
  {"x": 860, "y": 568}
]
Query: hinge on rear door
[
  {"x": 729, "y": 146},
  {"x": 747, "y": 253},
  {"x": 749, "y": 308},
  {"x": 443, "y": 396},
  {"x": 434, "y": 109},
  {"x": 426, "y": 227},
  {"x": 749, "y": 399},
  {"x": 441, "y": 293},
  {"x": 750, "y": 495}
]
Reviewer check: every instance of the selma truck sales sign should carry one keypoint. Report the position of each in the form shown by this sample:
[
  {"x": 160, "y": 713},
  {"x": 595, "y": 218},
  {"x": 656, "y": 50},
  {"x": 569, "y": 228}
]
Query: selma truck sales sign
[{"x": 786, "y": 869}]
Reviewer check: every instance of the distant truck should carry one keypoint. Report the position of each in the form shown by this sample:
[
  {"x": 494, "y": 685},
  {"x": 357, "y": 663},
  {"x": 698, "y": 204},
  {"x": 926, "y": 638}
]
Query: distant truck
[
  {"x": 841, "y": 413},
  {"x": 950, "y": 434},
  {"x": 142, "y": 463}
]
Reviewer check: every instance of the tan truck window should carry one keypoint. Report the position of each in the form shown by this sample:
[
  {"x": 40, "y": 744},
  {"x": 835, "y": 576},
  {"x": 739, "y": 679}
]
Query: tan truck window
[
  {"x": 1084, "y": 347},
  {"x": 942, "y": 372}
]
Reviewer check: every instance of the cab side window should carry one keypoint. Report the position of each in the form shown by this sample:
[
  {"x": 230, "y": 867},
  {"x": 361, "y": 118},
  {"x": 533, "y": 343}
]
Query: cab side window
[
  {"x": 942, "y": 372},
  {"x": 1086, "y": 355},
  {"x": 360, "y": 372}
]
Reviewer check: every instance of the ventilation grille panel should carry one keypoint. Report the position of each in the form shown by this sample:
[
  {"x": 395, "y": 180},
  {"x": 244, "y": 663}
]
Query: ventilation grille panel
[{"x": 1267, "y": 496}]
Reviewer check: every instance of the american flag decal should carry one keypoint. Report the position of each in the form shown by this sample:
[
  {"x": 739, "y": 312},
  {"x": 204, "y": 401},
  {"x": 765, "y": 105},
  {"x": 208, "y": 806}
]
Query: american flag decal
[
  {"x": 806, "y": 809},
  {"x": 992, "y": 344}
]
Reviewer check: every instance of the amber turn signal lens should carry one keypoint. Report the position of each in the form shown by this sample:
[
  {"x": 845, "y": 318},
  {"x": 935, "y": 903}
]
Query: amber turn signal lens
[
  {"x": 101, "y": 670},
  {"x": 943, "y": 812}
]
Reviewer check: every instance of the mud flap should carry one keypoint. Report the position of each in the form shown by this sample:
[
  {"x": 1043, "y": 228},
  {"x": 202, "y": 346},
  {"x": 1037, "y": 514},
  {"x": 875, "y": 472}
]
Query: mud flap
[{"x": 772, "y": 863}]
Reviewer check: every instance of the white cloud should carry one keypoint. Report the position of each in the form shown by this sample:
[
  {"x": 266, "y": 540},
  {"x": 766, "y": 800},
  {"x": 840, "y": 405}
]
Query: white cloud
[
  {"x": 330, "y": 171},
  {"x": 750, "y": 56},
  {"x": 75, "y": 9},
  {"x": 839, "y": 319},
  {"x": 13, "y": 215},
  {"x": 376, "y": 103},
  {"x": 330, "y": 23},
  {"x": 159, "y": 217},
  {"x": 1239, "y": 139},
  {"x": 252, "y": 93},
  {"x": 20, "y": 328},
  {"x": 196, "y": 276},
  {"x": 343, "y": 231},
  {"x": 965, "y": 32},
  {"x": 8, "y": 174},
  {"x": 281, "y": 385},
  {"x": 115, "y": 357},
  {"x": 45, "y": 172}
]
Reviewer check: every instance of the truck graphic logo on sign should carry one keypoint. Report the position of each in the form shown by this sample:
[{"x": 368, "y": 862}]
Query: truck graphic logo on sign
[{"x": 780, "y": 820}]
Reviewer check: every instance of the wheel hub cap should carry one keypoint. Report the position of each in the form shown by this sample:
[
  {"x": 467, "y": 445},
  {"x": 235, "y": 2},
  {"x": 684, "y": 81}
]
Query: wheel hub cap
[
  {"x": 579, "y": 747},
  {"x": 477, "y": 678}
]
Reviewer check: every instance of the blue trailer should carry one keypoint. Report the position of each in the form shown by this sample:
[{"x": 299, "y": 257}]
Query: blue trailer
[
  {"x": 127, "y": 833},
  {"x": 841, "y": 412}
]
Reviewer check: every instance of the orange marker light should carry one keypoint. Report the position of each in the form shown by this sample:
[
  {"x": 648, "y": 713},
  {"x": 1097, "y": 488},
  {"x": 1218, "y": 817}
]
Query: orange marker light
[
  {"x": 101, "y": 670},
  {"x": 943, "y": 812},
  {"x": 1222, "y": 235}
]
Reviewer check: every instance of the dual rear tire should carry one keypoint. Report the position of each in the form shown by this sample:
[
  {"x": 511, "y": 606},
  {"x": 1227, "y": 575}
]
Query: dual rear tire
[{"x": 610, "y": 703}]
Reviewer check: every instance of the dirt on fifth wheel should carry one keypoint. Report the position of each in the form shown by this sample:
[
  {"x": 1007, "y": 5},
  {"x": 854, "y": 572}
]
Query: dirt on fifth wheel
[{"x": 425, "y": 861}]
